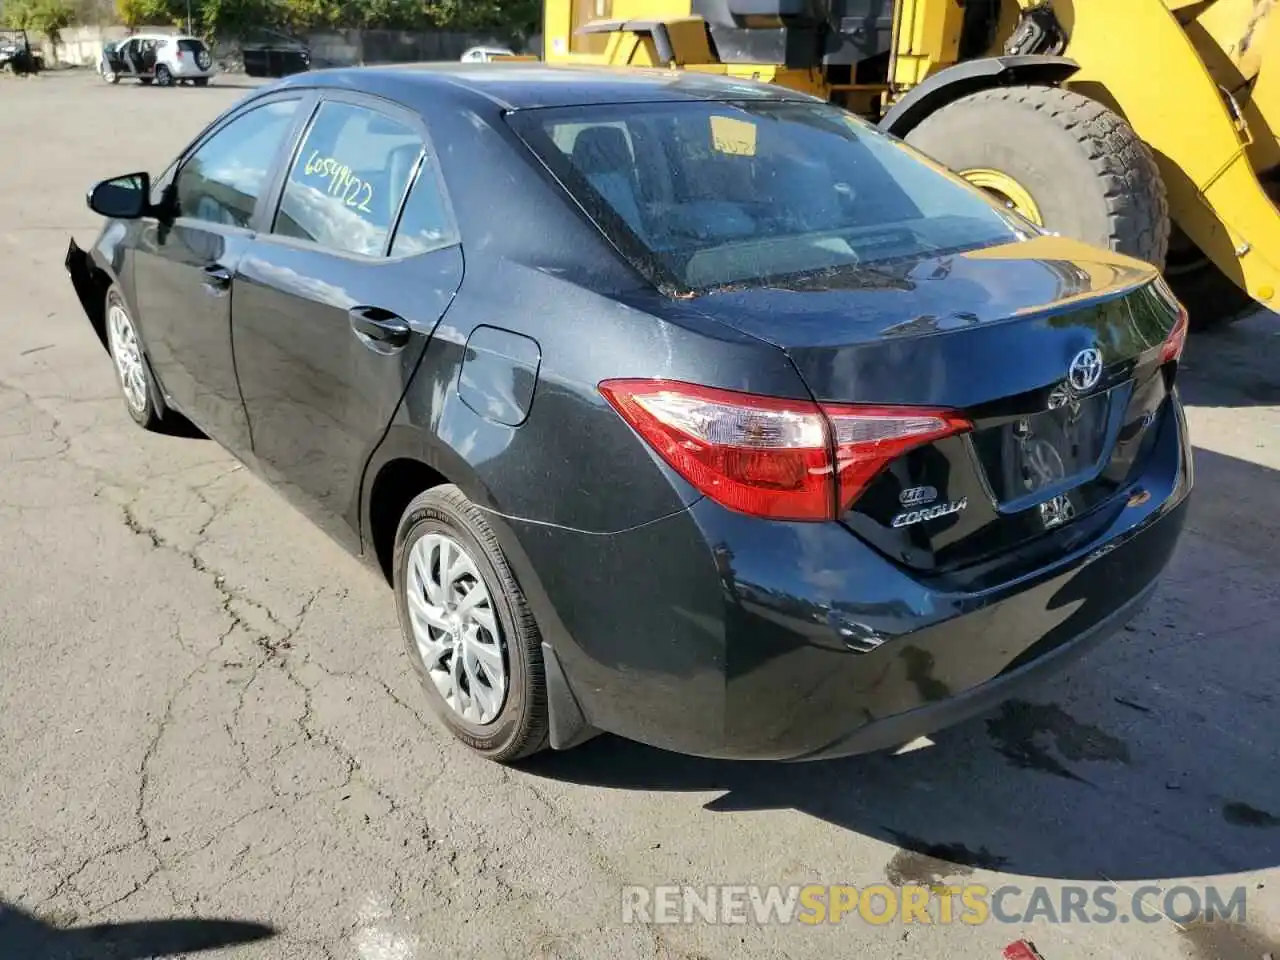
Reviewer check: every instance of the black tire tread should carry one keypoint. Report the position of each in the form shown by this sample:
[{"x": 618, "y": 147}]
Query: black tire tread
[
  {"x": 1134, "y": 191},
  {"x": 448, "y": 503}
]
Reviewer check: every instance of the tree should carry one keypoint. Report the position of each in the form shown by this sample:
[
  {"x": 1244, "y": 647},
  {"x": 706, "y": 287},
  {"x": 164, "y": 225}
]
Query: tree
[
  {"x": 44, "y": 16},
  {"x": 137, "y": 13}
]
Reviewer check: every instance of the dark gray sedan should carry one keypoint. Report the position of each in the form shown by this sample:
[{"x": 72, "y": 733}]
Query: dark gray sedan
[{"x": 683, "y": 408}]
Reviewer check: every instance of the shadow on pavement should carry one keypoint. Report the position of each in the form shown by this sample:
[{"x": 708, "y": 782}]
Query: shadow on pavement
[
  {"x": 1153, "y": 758},
  {"x": 26, "y": 937},
  {"x": 1227, "y": 367}
]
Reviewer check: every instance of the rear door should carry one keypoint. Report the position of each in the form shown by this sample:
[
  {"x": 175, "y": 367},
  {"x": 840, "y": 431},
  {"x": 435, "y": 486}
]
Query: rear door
[{"x": 334, "y": 306}]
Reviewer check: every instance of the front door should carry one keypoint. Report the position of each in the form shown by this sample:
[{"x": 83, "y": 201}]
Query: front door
[
  {"x": 184, "y": 266},
  {"x": 333, "y": 308},
  {"x": 128, "y": 54}
]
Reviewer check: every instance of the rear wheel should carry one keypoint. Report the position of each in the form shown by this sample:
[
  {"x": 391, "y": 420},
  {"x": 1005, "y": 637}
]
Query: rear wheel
[
  {"x": 163, "y": 77},
  {"x": 1063, "y": 161},
  {"x": 469, "y": 633}
]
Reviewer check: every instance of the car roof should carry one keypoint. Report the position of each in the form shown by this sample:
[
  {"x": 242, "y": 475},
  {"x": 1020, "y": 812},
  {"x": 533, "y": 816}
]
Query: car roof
[
  {"x": 524, "y": 85},
  {"x": 157, "y": 36}
]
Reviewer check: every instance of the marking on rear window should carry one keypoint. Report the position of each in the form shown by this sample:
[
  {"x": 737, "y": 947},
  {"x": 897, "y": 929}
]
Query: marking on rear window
[
  {"x": 342, "y": 182},
  {"x": 732, "y": 136}
]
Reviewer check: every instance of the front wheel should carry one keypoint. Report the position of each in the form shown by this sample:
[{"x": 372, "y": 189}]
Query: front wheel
[
  {"x": 469, "y": 632},
  {"x": 132, "y": 371}
]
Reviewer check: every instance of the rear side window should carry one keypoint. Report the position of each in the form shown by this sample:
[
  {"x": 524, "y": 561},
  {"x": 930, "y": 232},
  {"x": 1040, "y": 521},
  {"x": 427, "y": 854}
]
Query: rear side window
[
  {"x": 425, "y": 224},
  {"x": 348, "y": 179},
  {"x": 707, "y": 194}
]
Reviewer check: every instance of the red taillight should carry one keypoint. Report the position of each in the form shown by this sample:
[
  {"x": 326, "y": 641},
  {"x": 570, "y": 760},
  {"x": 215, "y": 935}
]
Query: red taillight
[
  {"x": 1177, "y": 339},
  {"x": 770, "y": 457},
  {"x": 867, "y": 439}
]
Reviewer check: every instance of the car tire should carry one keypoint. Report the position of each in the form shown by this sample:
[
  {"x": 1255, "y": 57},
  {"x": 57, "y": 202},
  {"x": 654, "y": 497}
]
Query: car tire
[
  {"x": 440, "y": 528},
  {"x": 1086, "y": 169},
  {"x": 133, "y": 371},
  {"x": 111, "y": 76},
  {"x": 163, "y": 77}
]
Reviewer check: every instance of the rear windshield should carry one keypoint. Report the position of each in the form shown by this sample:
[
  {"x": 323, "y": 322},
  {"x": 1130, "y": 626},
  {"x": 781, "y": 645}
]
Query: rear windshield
[
  {"x": 191, "y": 46},
  {"x": 703, "y": 195}
]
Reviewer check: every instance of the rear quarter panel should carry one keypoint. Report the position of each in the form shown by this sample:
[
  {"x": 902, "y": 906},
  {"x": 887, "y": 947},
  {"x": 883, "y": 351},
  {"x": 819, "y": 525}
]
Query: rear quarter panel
[{"x": 535, "y": 266}]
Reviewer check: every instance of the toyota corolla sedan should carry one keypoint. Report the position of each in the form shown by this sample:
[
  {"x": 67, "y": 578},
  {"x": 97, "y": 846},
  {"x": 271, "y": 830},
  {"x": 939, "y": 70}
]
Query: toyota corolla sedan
[{"x": 691, "y": 410}]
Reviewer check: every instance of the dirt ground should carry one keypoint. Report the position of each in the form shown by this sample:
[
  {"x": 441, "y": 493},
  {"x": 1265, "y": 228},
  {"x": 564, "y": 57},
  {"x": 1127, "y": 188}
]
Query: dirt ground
[{"x": 206, "y": 713}]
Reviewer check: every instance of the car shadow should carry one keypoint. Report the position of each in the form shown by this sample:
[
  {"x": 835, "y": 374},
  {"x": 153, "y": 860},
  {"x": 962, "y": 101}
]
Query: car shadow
[
  {"x": 24, "y": 935},
  {"x": 175, "y": 424},
  {"x": 1152, "y": 758}
]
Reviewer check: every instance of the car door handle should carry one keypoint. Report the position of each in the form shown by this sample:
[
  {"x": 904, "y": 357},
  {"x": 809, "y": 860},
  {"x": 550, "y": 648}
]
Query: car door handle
[
  {"x": 380, "y": 326},
  {"x": 217, "y": 278}
]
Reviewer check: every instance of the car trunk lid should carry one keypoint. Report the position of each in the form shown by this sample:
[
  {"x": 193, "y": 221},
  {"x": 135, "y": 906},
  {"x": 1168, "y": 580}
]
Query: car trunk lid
[{"x": 1054, "y": 351}]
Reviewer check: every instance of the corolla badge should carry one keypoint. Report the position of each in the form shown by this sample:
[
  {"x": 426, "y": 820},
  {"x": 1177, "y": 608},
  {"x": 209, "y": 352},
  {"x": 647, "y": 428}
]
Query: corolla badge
[
  {"x": 930, "y": 513},
  {"x": 1085, "y": 370}
]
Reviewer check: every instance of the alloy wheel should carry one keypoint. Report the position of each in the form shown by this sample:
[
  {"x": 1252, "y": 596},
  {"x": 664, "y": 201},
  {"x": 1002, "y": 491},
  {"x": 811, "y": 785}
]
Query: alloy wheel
[
  {"x": 127, "y": 355},
  {"x": 456, "y": 629}
]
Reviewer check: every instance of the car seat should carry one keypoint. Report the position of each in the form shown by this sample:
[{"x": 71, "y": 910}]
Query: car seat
[{"x": 603, "y": 156}]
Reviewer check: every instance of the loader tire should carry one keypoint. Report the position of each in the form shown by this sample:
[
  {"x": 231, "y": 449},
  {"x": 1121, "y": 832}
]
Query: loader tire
[{"x": 1089, "y": 174}]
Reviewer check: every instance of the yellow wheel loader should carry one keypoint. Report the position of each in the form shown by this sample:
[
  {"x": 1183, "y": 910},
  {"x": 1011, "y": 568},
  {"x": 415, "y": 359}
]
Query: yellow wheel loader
[{"x": 1146, "y": 126}]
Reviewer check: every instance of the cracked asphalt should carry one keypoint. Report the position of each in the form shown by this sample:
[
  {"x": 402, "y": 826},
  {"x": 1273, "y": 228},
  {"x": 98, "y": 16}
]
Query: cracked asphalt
[{"x": 206, "y": 715}]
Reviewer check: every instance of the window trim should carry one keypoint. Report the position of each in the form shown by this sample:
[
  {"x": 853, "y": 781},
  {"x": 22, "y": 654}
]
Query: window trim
[
  {"x": 303, "y": 96},
  {"x": 391, "y": 110}
]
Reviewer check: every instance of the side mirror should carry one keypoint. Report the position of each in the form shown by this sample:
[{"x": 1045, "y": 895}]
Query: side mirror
[{"x": 121, "y": 198}]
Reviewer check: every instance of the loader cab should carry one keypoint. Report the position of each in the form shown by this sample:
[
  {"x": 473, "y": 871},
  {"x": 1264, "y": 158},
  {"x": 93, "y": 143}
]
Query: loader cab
[
  {"x": 849, "y": 42},
  {"x": 799, "y": 34}
]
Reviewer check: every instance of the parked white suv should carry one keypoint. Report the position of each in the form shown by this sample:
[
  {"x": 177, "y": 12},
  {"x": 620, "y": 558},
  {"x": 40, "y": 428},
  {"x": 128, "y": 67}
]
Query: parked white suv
[{"x": 164, "y": 59}]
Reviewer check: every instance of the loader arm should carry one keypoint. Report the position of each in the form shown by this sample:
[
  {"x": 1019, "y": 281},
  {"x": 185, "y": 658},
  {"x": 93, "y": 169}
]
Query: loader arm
[{"x": 1165, "y": 90}]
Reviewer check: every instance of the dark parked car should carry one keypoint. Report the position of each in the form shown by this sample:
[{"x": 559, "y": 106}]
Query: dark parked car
[
  {"x": 270, "y": 54},
  {"x": 673, "y": 406},
  {"x": 17, "y": 54}
]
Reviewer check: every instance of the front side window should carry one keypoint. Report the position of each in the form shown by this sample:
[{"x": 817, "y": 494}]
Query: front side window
[
  {"x": 349, "y": 179},
  {"x": 221, "y": 182},
  {"x": 701, "y": 195}
]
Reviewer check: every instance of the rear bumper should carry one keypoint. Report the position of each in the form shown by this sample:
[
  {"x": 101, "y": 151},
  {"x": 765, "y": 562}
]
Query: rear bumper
[
  {"x": 189, "y": 71},
  {"x": 902, "y": 728},
  {"x": 715, "y": 634}
]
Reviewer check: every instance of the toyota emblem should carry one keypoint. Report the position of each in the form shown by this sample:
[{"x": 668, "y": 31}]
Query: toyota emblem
[{"x": 1085, "y": 370}]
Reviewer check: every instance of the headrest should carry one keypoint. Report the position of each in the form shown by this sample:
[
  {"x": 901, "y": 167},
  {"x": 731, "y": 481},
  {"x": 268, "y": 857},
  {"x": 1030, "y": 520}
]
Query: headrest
[{"x": 602, "y": 150}]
